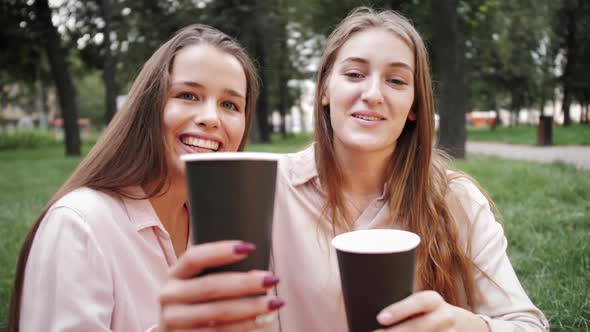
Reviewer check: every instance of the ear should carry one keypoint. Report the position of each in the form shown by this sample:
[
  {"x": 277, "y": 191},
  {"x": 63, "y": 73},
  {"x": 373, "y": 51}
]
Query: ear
[
  {"x": 325, "y": 100},
  {"x": 412, "y": 116}
]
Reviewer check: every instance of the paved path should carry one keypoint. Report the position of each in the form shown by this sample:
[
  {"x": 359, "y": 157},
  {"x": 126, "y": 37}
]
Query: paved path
[{"x": 577, "y": 155}]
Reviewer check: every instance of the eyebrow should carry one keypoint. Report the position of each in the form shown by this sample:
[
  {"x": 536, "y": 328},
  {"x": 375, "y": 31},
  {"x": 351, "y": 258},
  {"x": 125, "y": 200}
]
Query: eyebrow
[
  {"x": 392, "y": 64},
  {"x": 193, "y": 84}
]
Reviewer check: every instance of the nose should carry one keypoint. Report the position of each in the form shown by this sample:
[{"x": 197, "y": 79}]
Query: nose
[
  {"x": 372, "y": 93},
  {"x": 207, "y": 116}
]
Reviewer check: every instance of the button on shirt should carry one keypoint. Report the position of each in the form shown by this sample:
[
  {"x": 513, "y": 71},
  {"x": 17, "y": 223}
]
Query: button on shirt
[
  {"x": 97, "y": 263},
  {"x": 308, "y": 267}
]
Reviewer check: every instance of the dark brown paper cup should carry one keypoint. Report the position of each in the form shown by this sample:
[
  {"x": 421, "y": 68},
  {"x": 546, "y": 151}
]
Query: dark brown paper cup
[
  {"x": 376, "y": 270},
  {"x": 231, "y": 197}
]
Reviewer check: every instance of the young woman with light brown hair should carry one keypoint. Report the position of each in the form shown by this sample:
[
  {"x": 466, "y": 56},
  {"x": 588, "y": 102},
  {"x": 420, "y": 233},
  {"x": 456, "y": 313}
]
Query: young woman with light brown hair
[
  {"x": 110, "y": 251},
  {"x": 373, "y": 165}
]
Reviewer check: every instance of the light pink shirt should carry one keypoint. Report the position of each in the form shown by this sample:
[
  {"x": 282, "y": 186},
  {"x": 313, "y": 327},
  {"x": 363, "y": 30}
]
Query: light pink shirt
[
  {"x": 97, "y": 264},
  {"x": 308, "y": 268}
]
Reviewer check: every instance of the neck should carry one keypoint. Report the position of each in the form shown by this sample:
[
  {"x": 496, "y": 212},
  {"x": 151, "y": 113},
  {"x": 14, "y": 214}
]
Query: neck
[
  {"x": 170, "y": 207},
  {"x": 363, "y": 172}
]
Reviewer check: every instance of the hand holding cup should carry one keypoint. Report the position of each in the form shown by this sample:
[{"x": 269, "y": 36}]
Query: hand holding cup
[{"x": 216, "y": 301}]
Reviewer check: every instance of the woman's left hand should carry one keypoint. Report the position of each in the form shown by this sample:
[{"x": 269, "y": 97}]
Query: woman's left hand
[{"x": 427, "y": 311}]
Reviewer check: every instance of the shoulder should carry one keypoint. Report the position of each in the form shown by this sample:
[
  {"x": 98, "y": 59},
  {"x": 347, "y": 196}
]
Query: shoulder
[
  {"x": 73, "y": 219},
  {"x": 93, "y": 210},
  {"x": 466, "y": 190},
  {"x": 88, "y": 202},
  {"x": 299, "y": 167},
  {"x": 469, "y": 203}
]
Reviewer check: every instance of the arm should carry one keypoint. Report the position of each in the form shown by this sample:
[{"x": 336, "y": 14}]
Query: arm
[
  {"x": 504, "y": 305},
  {"x": 67, "y": 284}
]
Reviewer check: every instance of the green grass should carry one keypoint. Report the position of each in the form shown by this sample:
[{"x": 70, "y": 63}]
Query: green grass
[
  {"x": 546, "y": 210},
  {"x": 527, "y": 135}
]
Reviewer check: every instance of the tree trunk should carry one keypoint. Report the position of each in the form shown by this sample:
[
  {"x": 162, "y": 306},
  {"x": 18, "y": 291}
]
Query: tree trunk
[
  {"x": 42, "y": 102},
  {"x": 61, "y": 75},
  {"x": 108, "y": 71},
  {"x": 254, "y": 135},
  {"x": 262, "y": 105},
  {"x": 571, "y": 54},
  {"x": 283, "y": 74},
  {"x": 448, "y": 42}
]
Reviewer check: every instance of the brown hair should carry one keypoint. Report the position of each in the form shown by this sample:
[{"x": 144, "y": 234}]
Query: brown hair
[
  {"x": 419, "y": 191},
  {"x": 137, "y": 130}
]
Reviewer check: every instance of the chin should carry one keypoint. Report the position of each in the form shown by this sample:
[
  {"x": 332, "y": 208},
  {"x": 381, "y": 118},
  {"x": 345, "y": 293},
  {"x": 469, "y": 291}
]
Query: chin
[{"x": 366, "y": 144}]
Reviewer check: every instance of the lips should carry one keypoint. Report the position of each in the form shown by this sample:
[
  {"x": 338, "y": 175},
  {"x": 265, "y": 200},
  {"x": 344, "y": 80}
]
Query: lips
[
  {"x": 197, "y": 143},
  {"x": 368, "y": 116}
]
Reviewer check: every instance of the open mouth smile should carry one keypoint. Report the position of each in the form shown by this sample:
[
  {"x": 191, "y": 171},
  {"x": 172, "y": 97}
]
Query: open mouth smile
[{"x": 195, "y": 143}]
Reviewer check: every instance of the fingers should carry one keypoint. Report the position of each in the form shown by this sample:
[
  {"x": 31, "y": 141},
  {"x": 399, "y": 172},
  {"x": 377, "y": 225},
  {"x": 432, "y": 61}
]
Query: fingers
[
  {"x": 197, "y": 258},
  {"x": 239, "y": 312},
  {"x": 249, "y": 325},
  {"x": 423, "y": 311},
  {"x": 415, "y": 304},
  {"x": 217, "y": 286},
  {"x": 224, "y": 301}
]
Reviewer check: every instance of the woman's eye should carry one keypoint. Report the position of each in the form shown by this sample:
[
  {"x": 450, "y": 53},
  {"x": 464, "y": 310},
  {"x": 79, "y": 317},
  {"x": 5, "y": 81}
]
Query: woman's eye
[
  {"x": 397, "y": 81},
  {"x": 353, "y": 75},
  {"x": 187, "y": 96},
  {"x": 229, "y": 105}
]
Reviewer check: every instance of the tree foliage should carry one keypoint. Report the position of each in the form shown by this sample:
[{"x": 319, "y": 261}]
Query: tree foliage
[{"x": 515, "y": 52}]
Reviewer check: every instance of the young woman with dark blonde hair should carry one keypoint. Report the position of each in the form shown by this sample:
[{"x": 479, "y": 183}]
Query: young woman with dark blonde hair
[
  {"x": 373, "y": 165},
  {"x": 110, "y": 250}
]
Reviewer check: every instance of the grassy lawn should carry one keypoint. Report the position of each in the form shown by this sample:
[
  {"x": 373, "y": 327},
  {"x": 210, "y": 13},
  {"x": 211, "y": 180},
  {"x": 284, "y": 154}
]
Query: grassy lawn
[
  {"x": 545, "y": 207},
  {"x": 575, "y": 135}
]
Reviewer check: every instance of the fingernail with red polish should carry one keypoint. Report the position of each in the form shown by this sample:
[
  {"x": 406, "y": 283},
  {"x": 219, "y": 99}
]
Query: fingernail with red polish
[
  {"x": 274, "y": 304},
  {"x": 269, "y": 281},
  {"x": 244, "y": 248}
]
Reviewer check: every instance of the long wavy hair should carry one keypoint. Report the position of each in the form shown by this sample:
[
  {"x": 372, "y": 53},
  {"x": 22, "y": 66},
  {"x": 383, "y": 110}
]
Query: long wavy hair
[
  {"x": 417, "y": 181},
  {"x": 137, "y": 130}
]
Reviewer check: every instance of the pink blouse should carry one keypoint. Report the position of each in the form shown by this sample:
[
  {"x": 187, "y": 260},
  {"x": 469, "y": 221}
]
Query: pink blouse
[
  {"x": 308, "y": 268},
  {"x": 97, "y": 264}
]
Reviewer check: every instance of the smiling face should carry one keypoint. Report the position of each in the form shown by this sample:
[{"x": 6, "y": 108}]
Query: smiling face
[
  {"x": 370, "y": 92},
  {"x": 205, "y": 109}
]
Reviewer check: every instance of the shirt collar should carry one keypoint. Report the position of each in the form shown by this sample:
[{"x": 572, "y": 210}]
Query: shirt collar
[
  {"x": 302, "y": 166},
  {"x": 303, "y": 169},
  {"x": 140, "y": 210}
]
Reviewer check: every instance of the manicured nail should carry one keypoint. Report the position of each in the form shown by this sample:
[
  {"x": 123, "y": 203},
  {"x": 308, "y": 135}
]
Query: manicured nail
[
  {"x": 384, "y": 318},
  {"x": 274, "y": 304},
  {"x": 269, "y": 281},
  {"x": 244, "y": 248}
]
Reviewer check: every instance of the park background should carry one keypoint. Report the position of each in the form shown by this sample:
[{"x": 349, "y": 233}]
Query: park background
[{"x": 514, "y": 72}]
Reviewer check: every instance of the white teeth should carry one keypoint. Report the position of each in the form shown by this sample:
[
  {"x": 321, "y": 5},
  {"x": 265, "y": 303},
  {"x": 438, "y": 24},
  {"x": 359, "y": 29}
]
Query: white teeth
[
  {"x": 200, "y": 143},
  {"x": 366, "y": 117}
]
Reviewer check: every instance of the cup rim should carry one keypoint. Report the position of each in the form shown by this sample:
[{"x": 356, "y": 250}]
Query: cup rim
[
  {"x": 230, "y": 156},
  {"x": 342, "y": 242}
]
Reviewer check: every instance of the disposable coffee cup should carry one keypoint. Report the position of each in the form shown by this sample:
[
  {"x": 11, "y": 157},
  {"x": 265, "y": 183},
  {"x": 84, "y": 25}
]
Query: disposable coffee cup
[
  {"x": 231, "y": 197},
  {"x": 376, "y": 270}
]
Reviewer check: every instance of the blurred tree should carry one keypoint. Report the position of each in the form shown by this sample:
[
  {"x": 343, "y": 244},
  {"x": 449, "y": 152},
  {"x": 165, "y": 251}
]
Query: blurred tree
[
  {"x": 24, "y": 72},
  {"x": 115, "y": 37},
  {"x": 51, "y": 40},
  {"x": 510, "y": 61},
  {"x": 573, "y": 16},
  {"x": 567, "y": 17},
  {"x": 449, "y": 44}
]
